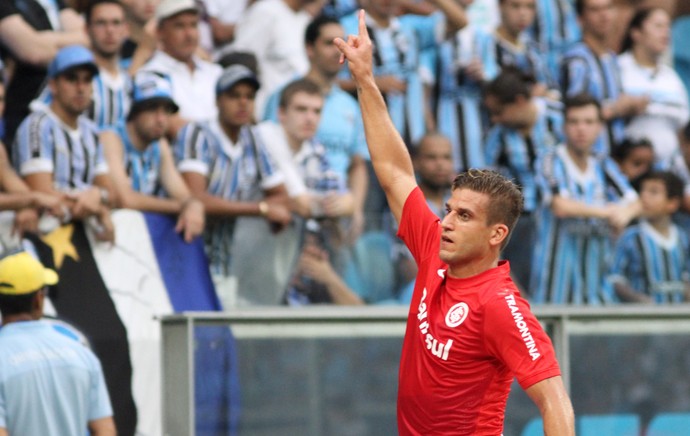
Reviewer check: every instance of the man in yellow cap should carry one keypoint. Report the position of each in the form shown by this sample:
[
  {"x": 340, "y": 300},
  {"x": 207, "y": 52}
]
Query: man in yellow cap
[{"x": 50, "y": 383}]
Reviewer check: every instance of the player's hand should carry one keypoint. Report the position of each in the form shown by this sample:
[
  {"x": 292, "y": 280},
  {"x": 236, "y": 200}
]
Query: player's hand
[
  {"x": 85, "y": 203},
  {"x": 191, "y": 220},
  {"x": 357, "y": 51}
]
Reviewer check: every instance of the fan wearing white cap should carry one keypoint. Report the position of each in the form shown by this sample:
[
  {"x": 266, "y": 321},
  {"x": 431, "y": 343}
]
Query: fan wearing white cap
[
  {"x": 192, "y": 78},
  {"x": 57, "y": 150},
  {"x": 50, "y": 384},
  {"x": 141, "y": 164}
]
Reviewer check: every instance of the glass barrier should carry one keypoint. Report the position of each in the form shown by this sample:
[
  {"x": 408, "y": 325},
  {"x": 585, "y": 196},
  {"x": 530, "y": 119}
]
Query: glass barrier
[{"x": 333, "y": 371}]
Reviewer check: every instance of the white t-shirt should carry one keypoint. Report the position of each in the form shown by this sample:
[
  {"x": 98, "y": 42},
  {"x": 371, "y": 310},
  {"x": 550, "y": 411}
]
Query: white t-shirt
[
  {"x": 667, "y": 111},
  {"x": 277, "y": 145},
  {"x": 275, "y": 34},
  {"x": 193, "y": 91}
]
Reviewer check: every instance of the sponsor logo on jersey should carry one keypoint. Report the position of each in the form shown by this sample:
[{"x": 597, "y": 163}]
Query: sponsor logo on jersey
[
  {"x": 457, "y": 314},
  {"x": 522, "y": 327},
  {"x": 437, "y": 348}
]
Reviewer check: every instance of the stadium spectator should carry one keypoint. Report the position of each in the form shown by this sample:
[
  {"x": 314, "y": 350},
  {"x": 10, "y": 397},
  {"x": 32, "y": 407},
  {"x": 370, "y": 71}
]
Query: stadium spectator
[
  {"x": 222, "y": 18},
  {"x": 586, "y": 199},
  {"x": 514, "y": 47},
  {"x": 460, "y": 281},
  {"x": 107, "y": 30},
  {"x": 57, "y": 150},
  {"x": 33, "y": 33},
  {"x": 589, "y": 66},
  {"x": 396, "y": 66},
  {"x": 554, "y": 29},
  {"x": 192, "y": 78},
  {"x": 225, "y": 165},
  {"x": 274, "y": 31},
  {"x": 141, "y": 163},
  {"x": 680, "y": 166},
  {"x": 634, "y": 157},
  {"x": 317, "y": 193},
  {"x": 16, "y": 195},
  {"x": 651, "y": 261},
  {"x": 644, "y": 74},
  {"x": 50, "y": 384},
  {"x": 524, "y": 128},
  {"x": 465, "y": 61},
  {"x": 340, "y": 127},
  {"x": 142, "y": 41}
]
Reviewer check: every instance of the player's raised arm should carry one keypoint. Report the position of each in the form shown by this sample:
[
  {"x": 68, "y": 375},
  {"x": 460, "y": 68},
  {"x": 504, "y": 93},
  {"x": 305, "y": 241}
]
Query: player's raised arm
[{"x": 388, "y": 152}]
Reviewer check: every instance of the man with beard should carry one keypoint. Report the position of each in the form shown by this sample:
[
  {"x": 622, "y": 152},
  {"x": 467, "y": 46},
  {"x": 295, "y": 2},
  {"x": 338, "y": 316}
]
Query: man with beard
[
  {"x": 142, "y": 167},
  {"x": 57, "y": 150}
]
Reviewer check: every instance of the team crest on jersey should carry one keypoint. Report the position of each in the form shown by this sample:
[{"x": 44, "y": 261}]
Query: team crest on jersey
[{"x": 457, "y": 314}]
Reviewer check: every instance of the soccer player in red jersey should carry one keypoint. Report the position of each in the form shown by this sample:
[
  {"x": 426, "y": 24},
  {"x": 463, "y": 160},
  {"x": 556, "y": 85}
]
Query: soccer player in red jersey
[{"x": 468, "y": 332}]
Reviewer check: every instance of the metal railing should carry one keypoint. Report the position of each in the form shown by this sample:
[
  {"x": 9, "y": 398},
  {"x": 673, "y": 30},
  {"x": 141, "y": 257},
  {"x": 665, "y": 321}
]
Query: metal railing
[{"x": 345, "y": 363}]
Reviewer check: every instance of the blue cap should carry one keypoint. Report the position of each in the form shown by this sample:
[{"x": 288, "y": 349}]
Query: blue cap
[
  {"x": 151, "y": 88},
  {"x": 70, "y": 57},
  {"x": 233, "y": 75}
]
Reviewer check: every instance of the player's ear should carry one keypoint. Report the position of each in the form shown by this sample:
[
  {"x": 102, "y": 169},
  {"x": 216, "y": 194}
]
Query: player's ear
[{"x": 499, "y": 233}]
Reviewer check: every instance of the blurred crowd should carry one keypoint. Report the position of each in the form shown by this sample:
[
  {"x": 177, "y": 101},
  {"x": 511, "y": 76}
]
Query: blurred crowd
[{"x": 238, "y": 117}]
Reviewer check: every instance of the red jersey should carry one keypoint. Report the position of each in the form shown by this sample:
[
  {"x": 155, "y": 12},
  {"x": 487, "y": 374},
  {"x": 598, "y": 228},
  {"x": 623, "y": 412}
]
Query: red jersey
[{"x": 465, "y": 340}]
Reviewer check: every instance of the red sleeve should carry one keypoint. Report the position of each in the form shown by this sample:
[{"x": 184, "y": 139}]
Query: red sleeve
[
  {"x": 419, "y": 227},
  {"x": 515, "y": 336}
]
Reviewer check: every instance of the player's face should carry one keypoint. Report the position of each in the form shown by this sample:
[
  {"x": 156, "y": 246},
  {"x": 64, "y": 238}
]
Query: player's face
[
  {"x": 236, "y": 105},
  {"x": 638, "y": 162},
  {"x": 107, "y": 29},
  {"x": 655, "y": 33},
  {"x": 517, "y": 15},
  {"x": 465, "y": 232},
  {"x": 598, "y": 18},
  {"x": 141, "y": 10},
  {"x": 582, "y": 127},
  {"x": 151, "y": 124},
  {"x": 323, "y": 54},
  {"x": 72, "y": 90},
  {"x": 434, "y": 163},
  {"x": 179, "y": 35},
  {"x": 654, "y": 199},
  {"x": 301, "y": 117}
]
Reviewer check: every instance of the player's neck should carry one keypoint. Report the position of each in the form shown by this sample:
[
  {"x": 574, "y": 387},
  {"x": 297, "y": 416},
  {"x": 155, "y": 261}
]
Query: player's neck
[
  {"x": 18, "y": 317},
  {"x": 465, "y": 270},
  {"x": 231, "y": 131}
]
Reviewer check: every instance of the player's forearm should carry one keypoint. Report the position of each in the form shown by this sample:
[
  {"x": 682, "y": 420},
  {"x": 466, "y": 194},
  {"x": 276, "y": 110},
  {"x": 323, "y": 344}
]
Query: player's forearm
[{"x": 387, "y": 149}]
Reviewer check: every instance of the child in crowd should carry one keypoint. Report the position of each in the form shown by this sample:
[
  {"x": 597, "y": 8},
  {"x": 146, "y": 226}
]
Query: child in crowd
[
  {"x": 652, "y": 257},
  {"x": 634, "y": 157}
]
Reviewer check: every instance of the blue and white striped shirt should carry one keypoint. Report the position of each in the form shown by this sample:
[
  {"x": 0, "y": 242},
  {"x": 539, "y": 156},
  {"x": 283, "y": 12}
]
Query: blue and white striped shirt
[
  {"x": 653, "y": 264},
  {"x": 514, "y": 154},
  {"x": 459, "y": 112},
  {"x": 142, "y": 166},
  {"x": 554, "y": 30},
  {"x": 396, "y": 53},
  {"x": 44, "y": 144},
  {"x": 235, "y": 171},
  {"x": 585, "y": 72},
  {"x": 572, "y": 255}
]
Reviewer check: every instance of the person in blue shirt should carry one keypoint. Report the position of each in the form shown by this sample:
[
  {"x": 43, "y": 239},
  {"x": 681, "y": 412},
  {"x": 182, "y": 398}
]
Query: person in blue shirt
[
  {"x": 225, "y": 164},
  {"x": 651, "y": 261},
  {"x": 57, "y": 149},
  {"x": 524, "y": 128},
  {"x": 142, "y": 166},
  {"x": 554, "y": 29},
  {"x": 50, "y": 383},
  {"x": 515, "y": 48},
  {"x": 586, "y": 201},
  {"x": 589, "y": 66}
]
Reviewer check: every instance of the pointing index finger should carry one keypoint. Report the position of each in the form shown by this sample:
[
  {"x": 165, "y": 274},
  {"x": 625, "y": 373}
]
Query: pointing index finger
[{"x": 363, "y": 32}]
